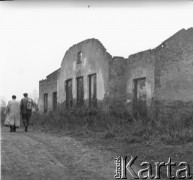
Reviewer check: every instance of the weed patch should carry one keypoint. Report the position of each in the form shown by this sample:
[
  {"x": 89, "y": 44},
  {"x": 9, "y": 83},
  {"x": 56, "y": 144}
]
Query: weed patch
[{"x": 129, "y": 129}]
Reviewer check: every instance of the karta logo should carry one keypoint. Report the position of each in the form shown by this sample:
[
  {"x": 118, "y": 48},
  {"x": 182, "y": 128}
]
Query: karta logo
[{"x": 145, "y": 170}]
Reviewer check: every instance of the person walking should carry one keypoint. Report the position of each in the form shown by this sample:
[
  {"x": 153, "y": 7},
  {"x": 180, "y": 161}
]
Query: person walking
[
  {"x": 26, "y": 106},
  {"x": 12, "y": 114}
]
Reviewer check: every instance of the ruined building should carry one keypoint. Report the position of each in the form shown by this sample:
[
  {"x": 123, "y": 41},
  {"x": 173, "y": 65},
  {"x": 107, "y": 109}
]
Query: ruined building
[
  {"x": 153, "y": 82},
  {"x": 48, "y": 92}
]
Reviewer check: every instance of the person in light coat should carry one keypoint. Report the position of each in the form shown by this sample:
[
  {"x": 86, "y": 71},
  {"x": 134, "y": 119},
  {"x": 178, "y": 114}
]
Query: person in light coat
[{"x": 13, "y": 114}]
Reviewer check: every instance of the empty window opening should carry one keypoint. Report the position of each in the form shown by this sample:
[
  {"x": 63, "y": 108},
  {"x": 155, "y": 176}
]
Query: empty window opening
[
  {"x": 69, "y": 99},
  {"x": 80, "y": 91},
  {"x": 45, "y": 102},
  {"x": 54, "y": 100},
  {"x": 140, "y": 95},
  {"x": 79, "y": 57},
  {"x": 92, "y": 90}
]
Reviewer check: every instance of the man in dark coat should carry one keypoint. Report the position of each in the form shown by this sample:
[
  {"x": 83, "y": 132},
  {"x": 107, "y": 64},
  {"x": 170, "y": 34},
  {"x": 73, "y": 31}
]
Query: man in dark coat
[{"x": 26, "y": 106}]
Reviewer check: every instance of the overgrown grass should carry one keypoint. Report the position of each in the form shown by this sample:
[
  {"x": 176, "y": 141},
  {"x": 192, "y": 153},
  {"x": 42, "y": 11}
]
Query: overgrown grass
[{"x": 178, "y": 130}]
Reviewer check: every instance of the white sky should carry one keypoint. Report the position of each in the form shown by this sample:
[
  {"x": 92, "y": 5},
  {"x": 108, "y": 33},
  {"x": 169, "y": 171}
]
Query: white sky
[{"x": 35, "y": 36}]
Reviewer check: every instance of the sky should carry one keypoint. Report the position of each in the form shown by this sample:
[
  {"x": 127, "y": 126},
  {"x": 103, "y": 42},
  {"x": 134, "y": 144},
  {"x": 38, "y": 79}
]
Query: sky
[{"x": 34, "y": 36}]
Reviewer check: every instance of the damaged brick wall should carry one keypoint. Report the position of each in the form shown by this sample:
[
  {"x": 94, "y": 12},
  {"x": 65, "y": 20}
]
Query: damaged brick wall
[
  {"x": 48, "y": 86},
  {"x": 174, "y": 75},
  {"x": 140, "y": 67},
  {"x": 94, "y": 60},
  {"x": 117, "y": 83},
  {"x": 155, "y": 82}
]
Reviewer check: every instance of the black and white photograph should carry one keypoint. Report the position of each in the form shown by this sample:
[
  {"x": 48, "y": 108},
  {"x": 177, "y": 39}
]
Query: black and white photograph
[{"x": 96, "y": 90}]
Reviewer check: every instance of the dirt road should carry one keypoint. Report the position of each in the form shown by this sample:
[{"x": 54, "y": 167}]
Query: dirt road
[{"x": 37, "y": 155}]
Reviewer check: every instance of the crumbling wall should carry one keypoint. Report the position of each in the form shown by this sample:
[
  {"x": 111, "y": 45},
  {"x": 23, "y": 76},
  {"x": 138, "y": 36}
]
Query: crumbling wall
[
  {"x": 95, "y": 59},
  {"x": 140, "y": 65},
  {"x": 117, "y": 83},
  {"x": 174, "y": 75},
  {"x": 167, "y": 71},
  {"x": 48, "y": 86}
]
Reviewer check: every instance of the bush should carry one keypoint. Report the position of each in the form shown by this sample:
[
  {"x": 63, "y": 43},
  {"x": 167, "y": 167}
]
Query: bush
[
  {"x": 3, "y": 108},
  {"x": 122, "y": 125}
]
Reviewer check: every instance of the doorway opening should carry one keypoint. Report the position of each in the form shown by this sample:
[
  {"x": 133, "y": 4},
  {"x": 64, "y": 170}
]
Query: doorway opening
[
  {"x": 140, "y": 96},
  {"x": 69, "y": 99},
  {"x": 80, "y": 91},
  {"x": 92, "y": 90}
]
